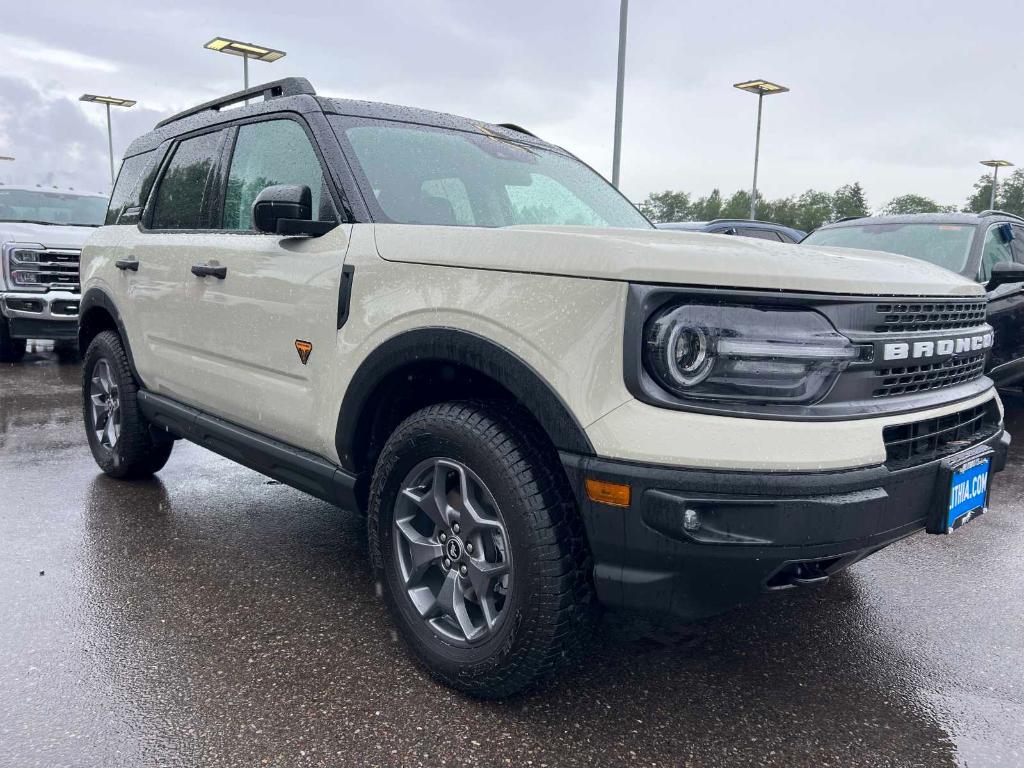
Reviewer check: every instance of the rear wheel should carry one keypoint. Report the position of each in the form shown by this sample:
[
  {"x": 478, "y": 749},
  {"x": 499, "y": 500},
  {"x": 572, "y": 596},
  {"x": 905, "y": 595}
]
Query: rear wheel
[
  {"x": 477, "y": 542},
  {"x": 11, "y": 350},
  {"x": 118, "y": 434}
]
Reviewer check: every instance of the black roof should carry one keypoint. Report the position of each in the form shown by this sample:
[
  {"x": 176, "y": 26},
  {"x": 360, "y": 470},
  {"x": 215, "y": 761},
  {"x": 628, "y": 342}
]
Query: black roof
[
  {"x": 296, "y": 94},
  {"x": 925, "y": 218}
]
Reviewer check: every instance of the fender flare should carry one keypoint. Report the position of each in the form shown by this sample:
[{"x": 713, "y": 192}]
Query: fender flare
[
  {"x": 97, "y": 297},
  {"x": 467, "y": 350}
]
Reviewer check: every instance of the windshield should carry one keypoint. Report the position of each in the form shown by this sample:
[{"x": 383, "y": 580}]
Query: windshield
[
  {"x": 41, "y": 207},
  {"x": 947, "y": 245},
  {"x": 427, "y": 175}
]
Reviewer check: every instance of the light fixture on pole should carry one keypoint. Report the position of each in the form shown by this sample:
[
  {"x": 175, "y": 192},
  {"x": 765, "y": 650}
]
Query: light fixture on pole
[
  {"x": 619, "y": 86},
  {"x": 995, "y": 165},
  {"x": 246, "y": 51},
  {"x": 762, "y": 88},
  {"x": 108, "y": 102}
]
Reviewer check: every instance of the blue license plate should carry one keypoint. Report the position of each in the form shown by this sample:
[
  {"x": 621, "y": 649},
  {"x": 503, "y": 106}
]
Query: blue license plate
[{"x": 968, "y": 492}]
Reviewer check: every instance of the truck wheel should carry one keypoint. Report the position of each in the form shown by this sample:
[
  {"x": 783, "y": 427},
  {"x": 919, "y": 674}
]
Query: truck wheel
[
  {"x": 11, "y": 350},
  {"x": 477, "y": 543},
  {"x": 119, "y": 436}
]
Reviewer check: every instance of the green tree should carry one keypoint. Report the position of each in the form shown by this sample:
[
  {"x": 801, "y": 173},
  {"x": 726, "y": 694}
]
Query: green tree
[
  {"x": 707, "y": 208},
  {"x": 981, "y": 197},
  {"x": 1010, "y": 195},
  {"x": 914, "y": 204},
  {"x": 813, "y": 208},
  {"x": 849, "y": 200},
  {"x": 666, "y": 206},
  {"x": 737, "y": 206}
]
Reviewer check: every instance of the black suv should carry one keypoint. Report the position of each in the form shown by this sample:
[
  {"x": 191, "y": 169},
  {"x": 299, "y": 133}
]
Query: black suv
[
  {"x": 762, "y": 230},
  {"x": 987, "y": 247}
]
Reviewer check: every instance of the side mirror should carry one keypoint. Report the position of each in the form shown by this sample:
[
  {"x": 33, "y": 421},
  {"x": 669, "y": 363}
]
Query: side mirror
[
  {"x": 287, "y": 209},
  {"x": 1004, "y": 273}
]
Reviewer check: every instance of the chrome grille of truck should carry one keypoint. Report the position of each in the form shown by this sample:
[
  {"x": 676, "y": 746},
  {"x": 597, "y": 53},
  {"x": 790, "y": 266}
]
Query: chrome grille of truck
[
  {"x": 921, "y": 378},
  {"x": 59, "y": 268},
  {"x": 929, "y": 439},
  {"x": 930, "y": 316}
]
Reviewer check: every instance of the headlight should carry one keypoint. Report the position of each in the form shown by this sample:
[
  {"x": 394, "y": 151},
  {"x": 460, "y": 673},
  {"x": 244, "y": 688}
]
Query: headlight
[
  {"x": 24, "y": 256},
  {"x": 24, "y": 277},
  {"x": 748, "y": 353}
]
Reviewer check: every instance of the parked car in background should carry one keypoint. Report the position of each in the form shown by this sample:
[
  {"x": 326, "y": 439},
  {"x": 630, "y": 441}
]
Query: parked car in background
[
  {"x": 541, "y": 403},
  {"x": 763, "y": 230},
  {"x": 41, "y": 236},
  {"x": 987, "y": 247}
]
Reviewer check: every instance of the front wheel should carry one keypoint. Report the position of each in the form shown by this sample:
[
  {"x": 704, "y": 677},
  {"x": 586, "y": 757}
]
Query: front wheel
[
  {"x": 478, "y": 545},
  {"x": 118, "y": 434}
]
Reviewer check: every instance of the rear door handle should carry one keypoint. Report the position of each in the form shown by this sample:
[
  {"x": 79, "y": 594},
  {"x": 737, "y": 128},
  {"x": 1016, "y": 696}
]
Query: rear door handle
[
  {"x": 127, "y": 264},
  {"x": 202, "y": 270}
]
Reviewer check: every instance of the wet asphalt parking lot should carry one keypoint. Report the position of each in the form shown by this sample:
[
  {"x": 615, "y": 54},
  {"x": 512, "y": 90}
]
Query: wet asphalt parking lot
[{"x": 214, "y": 618}]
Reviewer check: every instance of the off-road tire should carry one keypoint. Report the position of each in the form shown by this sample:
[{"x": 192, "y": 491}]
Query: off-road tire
[
  {"x": 551, "y": 601},
  {"x": 11, "y": 350},
  {"x": 136, "y": 454}
]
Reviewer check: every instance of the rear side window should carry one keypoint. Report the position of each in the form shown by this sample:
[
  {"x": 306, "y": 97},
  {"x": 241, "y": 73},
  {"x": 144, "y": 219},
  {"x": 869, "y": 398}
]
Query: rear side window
[
  {"x": 269, "y": 153},
  {"x": 760, "y": 234},
  {"x": 134, "y": 181},
  {"x": 185, "y": 186}
]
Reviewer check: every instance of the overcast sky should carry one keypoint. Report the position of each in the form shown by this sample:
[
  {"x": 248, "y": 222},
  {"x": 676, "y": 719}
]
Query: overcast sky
[{"x": 901, "y": 96}]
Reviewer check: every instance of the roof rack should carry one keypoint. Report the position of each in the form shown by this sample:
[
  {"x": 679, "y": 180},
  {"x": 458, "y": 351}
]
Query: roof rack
[
  {"x": 993, "y": 212},
  {"x": 848, "y": 218},
  {"x": 517, "y": 129},
  {"x": 289, "y": 86}
]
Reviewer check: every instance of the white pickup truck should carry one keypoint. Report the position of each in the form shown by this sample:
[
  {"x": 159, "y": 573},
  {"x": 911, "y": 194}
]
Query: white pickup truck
[{"x": 41, "y": 236}]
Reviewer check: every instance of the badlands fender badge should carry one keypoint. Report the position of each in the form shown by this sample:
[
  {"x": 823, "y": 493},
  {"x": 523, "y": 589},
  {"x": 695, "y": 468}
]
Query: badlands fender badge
[{"x": 303, "y": 348}]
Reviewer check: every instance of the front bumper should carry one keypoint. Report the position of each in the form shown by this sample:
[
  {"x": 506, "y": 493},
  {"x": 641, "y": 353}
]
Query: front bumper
[
  {"x": 759, "y": 531},
  {"x": 50, "y": 315}
]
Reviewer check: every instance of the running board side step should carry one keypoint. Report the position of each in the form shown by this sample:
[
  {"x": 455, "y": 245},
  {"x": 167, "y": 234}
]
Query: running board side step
[{"x": 292, "y": 466}]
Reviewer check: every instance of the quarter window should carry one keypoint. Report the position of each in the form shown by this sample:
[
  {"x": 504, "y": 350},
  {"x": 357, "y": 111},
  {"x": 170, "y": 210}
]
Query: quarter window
[
  {"x": 270, "y": 153},
  {"x": 185, "y": 186},
  {"x": 996, "y": 249},
  {"x": 134, "y": 181}
]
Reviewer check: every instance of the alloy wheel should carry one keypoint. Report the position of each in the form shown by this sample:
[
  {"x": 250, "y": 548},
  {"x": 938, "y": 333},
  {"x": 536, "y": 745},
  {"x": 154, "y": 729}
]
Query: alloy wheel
[
  {"x": 452, "y": 551},
  {"x": 105, "y": 403}
]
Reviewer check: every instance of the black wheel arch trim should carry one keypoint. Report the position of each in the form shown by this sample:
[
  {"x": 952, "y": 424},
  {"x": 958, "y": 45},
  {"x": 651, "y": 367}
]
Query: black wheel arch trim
[
  {"x": 462, "y": 348},
  {"x": 98, "y": 298}
]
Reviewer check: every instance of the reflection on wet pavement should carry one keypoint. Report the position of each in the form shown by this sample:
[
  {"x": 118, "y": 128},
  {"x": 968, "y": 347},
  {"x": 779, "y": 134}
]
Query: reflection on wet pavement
[{"x": 210, "y": 617}]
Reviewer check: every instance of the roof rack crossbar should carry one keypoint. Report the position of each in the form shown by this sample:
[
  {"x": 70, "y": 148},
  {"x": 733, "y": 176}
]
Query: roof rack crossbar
[
  {"x": 994, "y": 212},
  {"x": 289, "y": 86}
]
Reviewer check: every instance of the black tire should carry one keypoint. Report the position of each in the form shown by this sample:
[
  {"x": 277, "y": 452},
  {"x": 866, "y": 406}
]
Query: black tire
[
  {"x": 135, "y": 454},
  {"x": 11, "y": 350},
  {"x": 550, "y": 607}
]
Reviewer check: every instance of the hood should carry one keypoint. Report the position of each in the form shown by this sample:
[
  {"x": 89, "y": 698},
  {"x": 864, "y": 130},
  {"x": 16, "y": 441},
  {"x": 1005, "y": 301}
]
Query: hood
[
  {"x": 50, "y": 235},
  {"x": 670, "y": 257}
]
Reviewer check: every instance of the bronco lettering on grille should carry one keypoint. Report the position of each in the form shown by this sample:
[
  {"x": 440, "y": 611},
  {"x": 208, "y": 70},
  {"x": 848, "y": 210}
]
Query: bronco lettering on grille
[{"x": 937, "y": 348}]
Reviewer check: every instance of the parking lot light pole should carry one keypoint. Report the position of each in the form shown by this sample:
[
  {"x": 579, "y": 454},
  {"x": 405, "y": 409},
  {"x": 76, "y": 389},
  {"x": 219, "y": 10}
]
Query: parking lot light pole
[
  {"x": 108, "y": 102},
  {"x": 995, "y": 165},
  {"x": 762, "y": 88},
  {"x": 619, "y": 87},
  {"x": 246, "y": 51}
]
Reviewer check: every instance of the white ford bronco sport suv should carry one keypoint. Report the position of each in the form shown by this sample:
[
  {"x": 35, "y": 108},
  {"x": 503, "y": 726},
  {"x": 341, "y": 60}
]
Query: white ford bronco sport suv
[
  {"x": 41, "y": 236},
  {"x": 542, "y": 403}
]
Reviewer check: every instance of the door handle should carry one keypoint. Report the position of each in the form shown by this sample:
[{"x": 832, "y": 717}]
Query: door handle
[
  {"x": 127, "y": 264},
  {"x": 202, "y": 270}
]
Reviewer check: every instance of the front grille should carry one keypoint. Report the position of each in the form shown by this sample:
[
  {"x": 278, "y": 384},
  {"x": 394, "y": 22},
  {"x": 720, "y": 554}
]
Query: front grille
[
  {"x": 929, "y": 316},
  {"x": 59, "y": 269},
  {"x": 922, "y": 441},
  {"x": 921, "y": 378}
]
